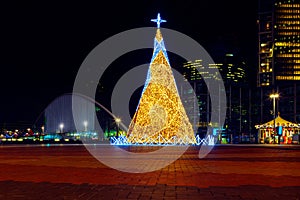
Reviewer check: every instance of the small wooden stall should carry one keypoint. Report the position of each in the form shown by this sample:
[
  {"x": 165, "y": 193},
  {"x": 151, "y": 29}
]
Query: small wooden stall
[{"x": 266, "y": 131}]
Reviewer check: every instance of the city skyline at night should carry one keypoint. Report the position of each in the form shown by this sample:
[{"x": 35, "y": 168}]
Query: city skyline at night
[{"x": 99, "y": 102}]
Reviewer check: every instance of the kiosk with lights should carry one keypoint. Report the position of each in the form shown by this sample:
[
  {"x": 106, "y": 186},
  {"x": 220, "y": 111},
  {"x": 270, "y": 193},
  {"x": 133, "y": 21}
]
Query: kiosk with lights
[{"x": 282, "y": 134}]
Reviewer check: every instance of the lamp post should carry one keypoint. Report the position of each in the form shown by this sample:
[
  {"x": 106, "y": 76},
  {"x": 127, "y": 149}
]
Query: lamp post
[
  {"x": 118, "y": 121},
  {"x": 61, "y": 126},
  {"x": 85, "y": 123},
  {"x": 43, "y": 130},
  {"x": 274, "y": 96}
]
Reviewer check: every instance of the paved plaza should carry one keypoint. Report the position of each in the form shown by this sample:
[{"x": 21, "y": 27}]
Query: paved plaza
[{"x": 227, "y": 172}]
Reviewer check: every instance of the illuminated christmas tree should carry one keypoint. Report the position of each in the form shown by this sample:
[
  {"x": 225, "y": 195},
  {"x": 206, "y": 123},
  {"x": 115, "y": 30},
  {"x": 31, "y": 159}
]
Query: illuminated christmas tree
[{"x": 160, "y": 116}]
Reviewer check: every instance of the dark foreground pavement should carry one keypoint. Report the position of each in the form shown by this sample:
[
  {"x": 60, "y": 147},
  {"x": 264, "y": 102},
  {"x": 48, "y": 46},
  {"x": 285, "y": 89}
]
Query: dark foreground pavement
[
  {"x": 46, "y": 190},
  {"x": 228, "y": 172}
]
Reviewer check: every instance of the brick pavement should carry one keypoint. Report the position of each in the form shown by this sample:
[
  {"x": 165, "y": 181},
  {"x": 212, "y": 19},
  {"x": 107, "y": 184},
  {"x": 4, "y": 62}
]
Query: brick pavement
[
  {"x": 228, "y": 172},
  {"x": 67, "y": 191}
]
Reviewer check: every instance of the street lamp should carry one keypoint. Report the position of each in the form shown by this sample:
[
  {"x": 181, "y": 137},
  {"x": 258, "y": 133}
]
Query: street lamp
[
  {"x": 29, "y": 132},
  {"x": 43, "y": 132},
  {"x": 85, "y": 123},
  {"x": 274, "y": 96},
  {"x": 43, "y": 129},
  {"x": 118, "y": 121},
  {"x": 61, "y": 126}
]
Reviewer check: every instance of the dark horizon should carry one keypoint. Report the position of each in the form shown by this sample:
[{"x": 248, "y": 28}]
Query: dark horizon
[{"x": 43, "y": 45}]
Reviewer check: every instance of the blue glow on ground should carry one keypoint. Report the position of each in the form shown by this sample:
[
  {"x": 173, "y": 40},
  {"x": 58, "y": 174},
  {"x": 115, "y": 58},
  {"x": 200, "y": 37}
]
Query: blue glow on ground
[{"x": 122, "y": 140}]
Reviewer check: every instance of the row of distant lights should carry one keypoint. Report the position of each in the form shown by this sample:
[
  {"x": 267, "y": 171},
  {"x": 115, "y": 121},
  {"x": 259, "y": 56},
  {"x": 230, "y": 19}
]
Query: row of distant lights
[
  {"x": 85, "y": 123},
  {"x": 61, "y": 125},
  {"x": 43, "y": 128}
]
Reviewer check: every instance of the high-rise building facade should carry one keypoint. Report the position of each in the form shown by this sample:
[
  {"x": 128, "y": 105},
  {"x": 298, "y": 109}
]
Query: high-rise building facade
[
  {"x": 232, "y": 69},
  {"x": 279, "y": 58}
]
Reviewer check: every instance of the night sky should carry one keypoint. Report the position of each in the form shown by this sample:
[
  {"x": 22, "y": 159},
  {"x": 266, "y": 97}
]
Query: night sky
[{"x": 43, "y": 43}]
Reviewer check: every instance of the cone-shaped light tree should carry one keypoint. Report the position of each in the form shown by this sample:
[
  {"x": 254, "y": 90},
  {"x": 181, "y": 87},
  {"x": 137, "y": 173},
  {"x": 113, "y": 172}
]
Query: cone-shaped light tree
[{"x": 160, "y": 116}]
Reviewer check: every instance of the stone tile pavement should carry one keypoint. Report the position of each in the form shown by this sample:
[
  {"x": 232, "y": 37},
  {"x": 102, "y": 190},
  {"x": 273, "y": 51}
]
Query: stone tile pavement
[{"x": 228, "y": 172}]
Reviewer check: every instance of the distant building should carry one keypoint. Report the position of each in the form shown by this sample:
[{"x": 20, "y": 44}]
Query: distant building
[
  {"x": 279, "y": 58},
  {"x": 232, "y": 69}
]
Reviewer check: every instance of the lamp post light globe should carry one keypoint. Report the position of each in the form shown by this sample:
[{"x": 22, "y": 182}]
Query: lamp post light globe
[
  {"x": 117, "y": 120},
  {"x": 275, "y": 95}
]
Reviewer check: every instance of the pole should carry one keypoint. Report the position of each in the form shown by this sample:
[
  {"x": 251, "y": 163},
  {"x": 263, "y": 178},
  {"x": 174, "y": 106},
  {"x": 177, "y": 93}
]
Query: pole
[
  {"x": 274, "y": 116},
  {"x": 219, "y": 123},
  {"x": 195, "y": 111},
  {"x": 117, "y": 135},
  {"x": 241, "y": 113}
]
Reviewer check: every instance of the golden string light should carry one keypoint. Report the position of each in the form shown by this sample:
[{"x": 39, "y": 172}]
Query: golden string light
[{"x": 160, "y": 116}]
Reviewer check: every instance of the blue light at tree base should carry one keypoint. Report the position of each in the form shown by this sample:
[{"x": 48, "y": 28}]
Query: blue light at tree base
[{"x": 122, "y": 140}]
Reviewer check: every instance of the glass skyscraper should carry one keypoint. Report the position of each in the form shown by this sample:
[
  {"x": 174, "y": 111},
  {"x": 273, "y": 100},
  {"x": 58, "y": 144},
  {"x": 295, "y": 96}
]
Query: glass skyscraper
[
  {"x": 232, "y": 69},
  {"x": 279, "y": 58}
]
